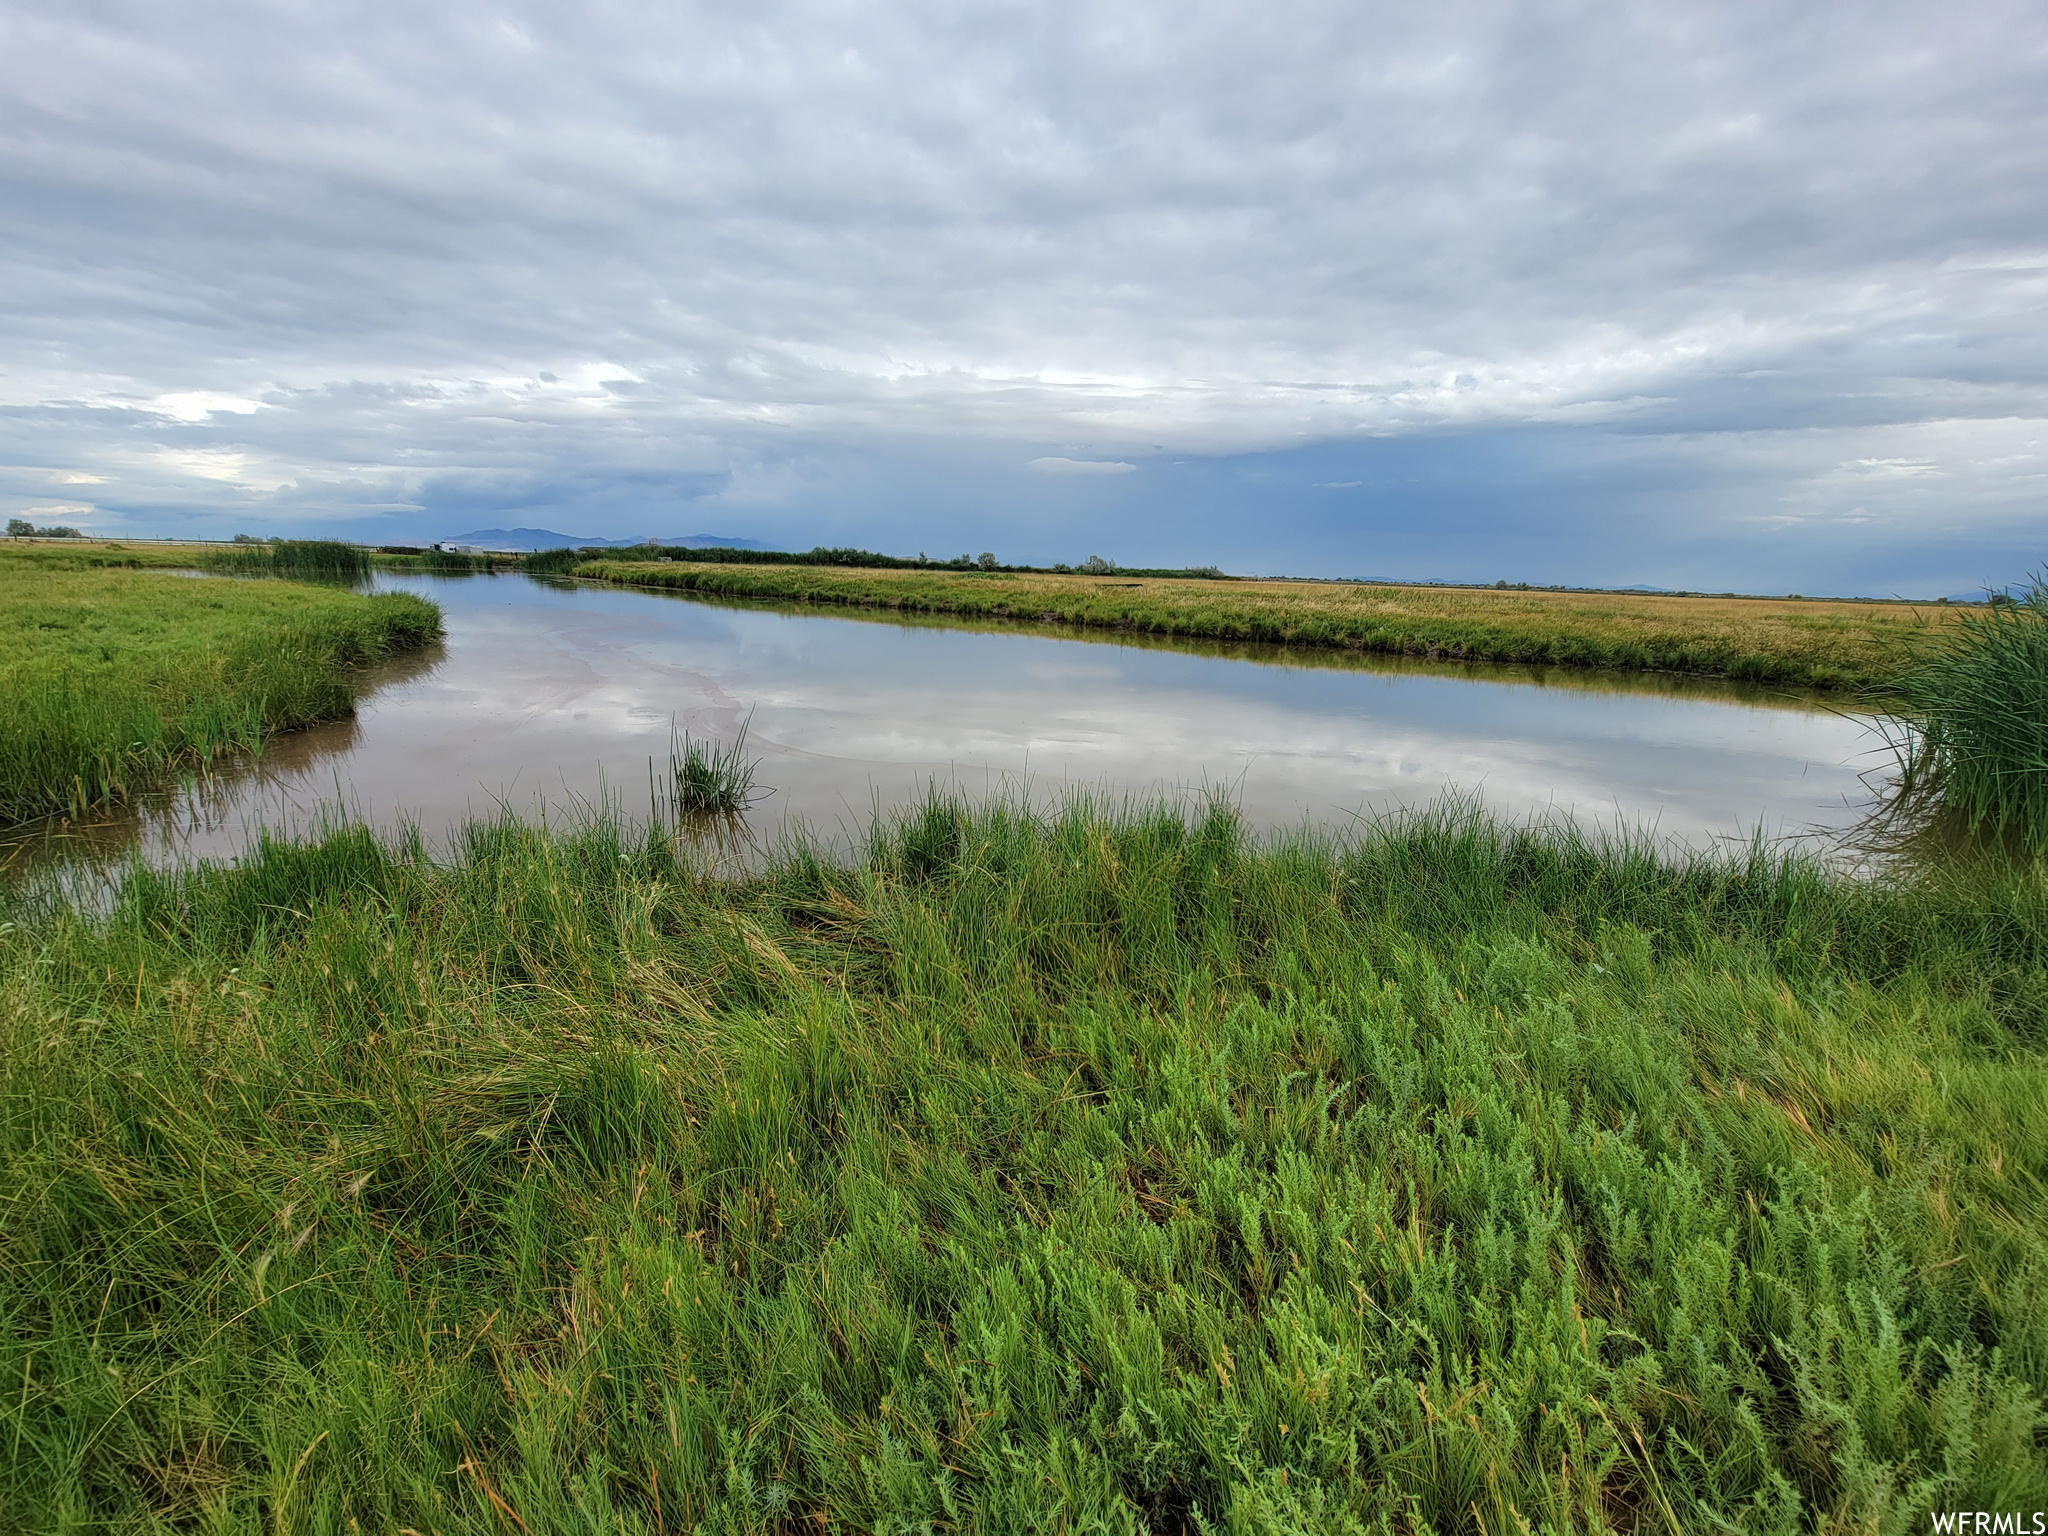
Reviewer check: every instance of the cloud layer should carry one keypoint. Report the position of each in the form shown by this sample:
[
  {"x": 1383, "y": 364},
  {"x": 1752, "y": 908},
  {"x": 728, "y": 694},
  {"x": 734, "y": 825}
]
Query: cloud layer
[{"x": 1748, "y": 279}]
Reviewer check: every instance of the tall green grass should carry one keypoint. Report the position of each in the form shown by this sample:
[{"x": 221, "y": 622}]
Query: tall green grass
[
  {"x": 110, "y": 680},
  {"x": 326, "y": 560},
  {"x": 1977, "y": 753},
  {"x": 705, "y": 778},
  {"x": 553, "y": 562},
  {"x": 433, "y": 562},
  {"x": 1093, "y": 1172}
]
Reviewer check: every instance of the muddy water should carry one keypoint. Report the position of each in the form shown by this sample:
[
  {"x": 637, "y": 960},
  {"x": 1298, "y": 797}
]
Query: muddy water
[{"x": 550, "y": 696}]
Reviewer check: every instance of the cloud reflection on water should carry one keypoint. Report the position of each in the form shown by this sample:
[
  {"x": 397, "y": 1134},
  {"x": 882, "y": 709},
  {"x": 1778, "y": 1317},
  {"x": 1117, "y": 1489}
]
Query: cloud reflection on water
[{"x": 551, "y": 696}]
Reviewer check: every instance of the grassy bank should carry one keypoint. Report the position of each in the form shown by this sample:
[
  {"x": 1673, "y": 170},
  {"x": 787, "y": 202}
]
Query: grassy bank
[
  {"x": 25, "y": 555},
  {"x": 1105, "y": 1173},
  {"x": 111, "y": 678},
  {"x": 1843, "y": 645}
]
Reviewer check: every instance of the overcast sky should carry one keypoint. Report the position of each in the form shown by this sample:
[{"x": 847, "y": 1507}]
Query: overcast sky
[{"x": 1727, "y": 295}]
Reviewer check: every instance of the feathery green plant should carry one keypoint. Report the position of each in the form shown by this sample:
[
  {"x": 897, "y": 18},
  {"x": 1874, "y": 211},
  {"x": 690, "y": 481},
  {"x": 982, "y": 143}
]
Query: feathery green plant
[{"x": 1091, "y": 1171}]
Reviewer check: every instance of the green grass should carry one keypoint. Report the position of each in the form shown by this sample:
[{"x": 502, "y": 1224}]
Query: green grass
[
  {"x": 1857, "y": 646},
  {"x": 552, "y": 562},
  {"x": 708, "y": 779},
  {"x": 439, "y": 562},
  {"x": 325, "y": 560},
  {"x": 100, "y": 555},
  {"x": 1104, "y": 1172},
  {"x": 111, "y": 679},
  {"x": 1977, "y": 754}
]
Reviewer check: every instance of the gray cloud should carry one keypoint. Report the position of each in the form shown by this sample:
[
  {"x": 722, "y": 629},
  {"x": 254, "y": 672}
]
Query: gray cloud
[{"x": 347, "y": 262}]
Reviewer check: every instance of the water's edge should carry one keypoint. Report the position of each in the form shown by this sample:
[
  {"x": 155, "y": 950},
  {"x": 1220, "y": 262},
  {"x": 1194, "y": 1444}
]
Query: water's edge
[{"x": 548, "y": 695}]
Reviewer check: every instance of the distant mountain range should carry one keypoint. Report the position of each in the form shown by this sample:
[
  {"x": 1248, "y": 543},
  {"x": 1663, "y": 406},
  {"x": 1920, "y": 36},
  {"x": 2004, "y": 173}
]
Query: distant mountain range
[
  {"x": 546, "y": 538},
  {"x": 2017, "y": 591}
]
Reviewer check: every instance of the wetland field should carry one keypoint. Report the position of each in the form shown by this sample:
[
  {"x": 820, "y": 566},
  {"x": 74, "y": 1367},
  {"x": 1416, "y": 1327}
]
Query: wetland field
[
  {"x": 1110, "y": 1078},
  {"x": 1787, "y": 641},
  {"x": 119, "y": 670}
]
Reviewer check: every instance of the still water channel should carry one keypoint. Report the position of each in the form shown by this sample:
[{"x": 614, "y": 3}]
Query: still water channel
[{"x": 552, "y": 696}]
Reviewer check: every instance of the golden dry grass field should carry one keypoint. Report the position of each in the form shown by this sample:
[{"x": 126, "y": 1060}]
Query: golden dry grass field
[{"x": 25, "y": 555}]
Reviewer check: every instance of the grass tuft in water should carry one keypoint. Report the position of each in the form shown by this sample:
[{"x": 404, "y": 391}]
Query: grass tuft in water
[
  {"x": 710, "y": 779},
  {"x": 1976, "y": 757}
]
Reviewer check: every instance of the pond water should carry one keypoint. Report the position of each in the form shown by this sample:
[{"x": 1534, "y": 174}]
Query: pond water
[{"x": 551, "y": 696}]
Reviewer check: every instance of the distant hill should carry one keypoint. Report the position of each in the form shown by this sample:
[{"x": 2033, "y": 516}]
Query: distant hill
[
  {"x": 1984, "y": 595},
  {"x": 547, "y": 538}
]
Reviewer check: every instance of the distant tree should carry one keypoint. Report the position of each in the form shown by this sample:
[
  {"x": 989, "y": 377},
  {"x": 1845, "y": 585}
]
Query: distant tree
[
  {"x": 19, "y": 527},
  {"x": 1095, "y": 565},
  {"x": 987, "y": 561},
  {"x": 244, "y": 538},
  {"x": 58, "y": 531}
]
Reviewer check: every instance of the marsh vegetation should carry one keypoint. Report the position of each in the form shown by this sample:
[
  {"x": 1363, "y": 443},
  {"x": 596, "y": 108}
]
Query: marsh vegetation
[
  {"x": 1833, "y": 645},
  {"x": 1105, "y": 1170},
  {"x": 1096, "y": 1167},
  {"x": 1973, "y": 745},
  {"x": 434, "y": 562},
  {"x": 326, "y": 560},
  {"x": 710, "y": 777},
  {"x": 112, "y": 678}
]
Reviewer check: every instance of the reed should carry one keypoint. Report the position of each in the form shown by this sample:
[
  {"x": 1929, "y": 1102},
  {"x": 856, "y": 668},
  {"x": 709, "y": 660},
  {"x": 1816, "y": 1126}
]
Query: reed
[
  {"x": 553, "y": 562},
  {"x": 321, "y": 560},
  {"x": 1094, "y": 1170},
  {"x": 432, "y": 562},
  {"x": 1975, "y": 753}
]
